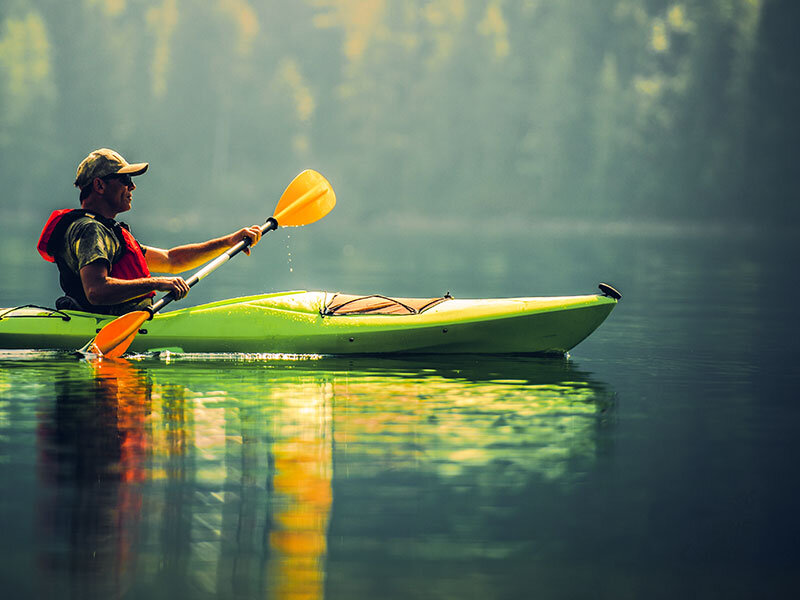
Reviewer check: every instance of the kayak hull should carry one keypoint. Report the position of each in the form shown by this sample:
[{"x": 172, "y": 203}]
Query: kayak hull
[{"x": 293, "y": 323}]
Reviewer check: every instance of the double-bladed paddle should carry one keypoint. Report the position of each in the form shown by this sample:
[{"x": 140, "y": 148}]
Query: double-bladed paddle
[{"x": 308, "y": 198}]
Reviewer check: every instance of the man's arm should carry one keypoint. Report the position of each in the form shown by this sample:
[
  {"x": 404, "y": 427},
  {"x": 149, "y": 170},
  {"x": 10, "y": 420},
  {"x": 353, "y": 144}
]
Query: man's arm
[
  {"x": 100, "y": 289},
  {"x": 190, "y": 256}
]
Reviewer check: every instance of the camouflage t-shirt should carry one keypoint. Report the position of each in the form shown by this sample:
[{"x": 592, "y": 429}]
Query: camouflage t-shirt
[{"x": 87, "y": 241}]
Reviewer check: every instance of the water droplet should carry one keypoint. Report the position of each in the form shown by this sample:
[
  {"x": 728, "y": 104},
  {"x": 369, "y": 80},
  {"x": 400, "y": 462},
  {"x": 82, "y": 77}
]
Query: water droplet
[{"x": 289, "y": 255}]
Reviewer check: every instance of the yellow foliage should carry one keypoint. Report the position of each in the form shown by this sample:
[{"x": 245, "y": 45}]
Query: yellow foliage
[
  {"x": 364, "y": 24},
  {"x": 494, "y": 26},
  {"x": 659, "y": 41},
  {"x": 444, "y": 12},
  {"x": 631, "y": 9},
  {"x": 648, "y": 86},
  {"x": 359, "y": 19},
  {"x": 112, "y": 8},
  {"x": 25, "y": 64},
  {"x": 446, "y": 17},
  {"x": 676, "y": 17},
  {"x": 246, "y": 21},
  {"x": 162, "y": 21},
  {"x": 289, "y": 74}
]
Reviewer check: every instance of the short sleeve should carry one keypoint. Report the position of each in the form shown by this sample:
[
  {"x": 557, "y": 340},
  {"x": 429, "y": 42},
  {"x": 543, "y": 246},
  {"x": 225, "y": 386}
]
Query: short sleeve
[{"x": 88, "y": 241}]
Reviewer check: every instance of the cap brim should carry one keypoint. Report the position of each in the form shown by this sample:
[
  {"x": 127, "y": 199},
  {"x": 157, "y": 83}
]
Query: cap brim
[{"x": 135, "y": 169}]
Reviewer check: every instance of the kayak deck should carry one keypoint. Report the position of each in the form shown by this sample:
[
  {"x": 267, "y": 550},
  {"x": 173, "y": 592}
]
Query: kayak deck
[{"x": 294, "y": 323}]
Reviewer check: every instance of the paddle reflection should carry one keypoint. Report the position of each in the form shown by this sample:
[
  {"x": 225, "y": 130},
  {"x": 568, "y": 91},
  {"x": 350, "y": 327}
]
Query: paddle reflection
[{"x": 148, "y": 482}]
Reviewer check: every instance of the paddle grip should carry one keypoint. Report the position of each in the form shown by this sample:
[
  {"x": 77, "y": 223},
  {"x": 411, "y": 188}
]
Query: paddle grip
[{"x": 270, "y": 225}]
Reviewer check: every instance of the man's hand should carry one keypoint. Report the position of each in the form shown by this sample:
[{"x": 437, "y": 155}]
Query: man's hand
[
  {"x": 102, "y": 289},
  {"x": 253, "y": 232},
  {"x": 176, "y": 285}
]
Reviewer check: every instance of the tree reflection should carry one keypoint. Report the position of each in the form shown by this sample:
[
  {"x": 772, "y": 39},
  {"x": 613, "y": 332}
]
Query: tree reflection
[{"x": 219, "y": 476}]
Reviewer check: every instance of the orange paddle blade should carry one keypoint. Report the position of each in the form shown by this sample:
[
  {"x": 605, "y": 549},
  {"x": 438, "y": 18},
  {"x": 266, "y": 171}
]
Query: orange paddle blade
[
  {"x": 118, "y": 350},
  {"x": 307, "y": 199},
  {"x": 114, "y": 338}
]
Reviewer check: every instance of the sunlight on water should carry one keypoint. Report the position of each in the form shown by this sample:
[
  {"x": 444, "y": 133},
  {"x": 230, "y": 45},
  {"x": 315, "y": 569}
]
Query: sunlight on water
[
  {"x": 170, "y": 356},
  {"x": 433, "y": 425}
]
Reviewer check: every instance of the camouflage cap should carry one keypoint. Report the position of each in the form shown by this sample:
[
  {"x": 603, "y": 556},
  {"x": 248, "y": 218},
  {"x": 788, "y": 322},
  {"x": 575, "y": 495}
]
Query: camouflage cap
[{"x": 104, "y": 162}]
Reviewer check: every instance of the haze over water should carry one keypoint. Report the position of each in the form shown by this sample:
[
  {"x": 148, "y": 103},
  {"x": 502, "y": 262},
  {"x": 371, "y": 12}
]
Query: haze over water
[
  {"x": 655, "y": 460},
  {"x": 485, "y": 148}
]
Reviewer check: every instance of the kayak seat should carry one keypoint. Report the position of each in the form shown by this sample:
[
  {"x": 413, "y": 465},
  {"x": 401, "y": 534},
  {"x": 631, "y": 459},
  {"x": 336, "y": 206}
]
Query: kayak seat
[{"x": 376, "y": 304}]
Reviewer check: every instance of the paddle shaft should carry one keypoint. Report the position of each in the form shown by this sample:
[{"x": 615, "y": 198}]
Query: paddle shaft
[{"x": 270, "y": 225}]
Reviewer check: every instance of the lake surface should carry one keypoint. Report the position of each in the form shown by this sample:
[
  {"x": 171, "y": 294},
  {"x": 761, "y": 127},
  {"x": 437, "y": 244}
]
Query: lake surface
[{"x": 658, "y": 460}]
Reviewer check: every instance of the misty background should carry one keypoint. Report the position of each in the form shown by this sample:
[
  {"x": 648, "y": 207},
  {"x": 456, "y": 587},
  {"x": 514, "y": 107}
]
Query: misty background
[
  {"x": 473, "y": 119},
  {"x": 488, "y": 148}
]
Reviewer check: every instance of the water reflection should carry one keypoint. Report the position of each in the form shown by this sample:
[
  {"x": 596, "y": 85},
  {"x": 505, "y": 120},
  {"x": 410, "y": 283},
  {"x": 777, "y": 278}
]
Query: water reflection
[
  {"x": 157, "y": 488},
  {"x": 513, "y": 416},
  {"x": 217, "y": 478},
  {"x": 91, "y": 460}
]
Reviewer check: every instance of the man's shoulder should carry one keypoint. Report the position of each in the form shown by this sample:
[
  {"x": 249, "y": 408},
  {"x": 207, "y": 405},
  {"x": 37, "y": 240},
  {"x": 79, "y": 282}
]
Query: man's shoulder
[
  {"x": 87, "y": 224},
  {"x": 88, "y": 239}
]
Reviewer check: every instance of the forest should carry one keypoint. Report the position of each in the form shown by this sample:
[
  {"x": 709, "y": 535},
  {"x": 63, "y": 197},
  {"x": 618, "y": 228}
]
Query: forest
[{"x": 506, "y": 109}]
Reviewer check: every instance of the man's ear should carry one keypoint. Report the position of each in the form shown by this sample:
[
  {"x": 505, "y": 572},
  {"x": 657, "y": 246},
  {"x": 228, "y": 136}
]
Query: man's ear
[{"x": 98, "y": 185}]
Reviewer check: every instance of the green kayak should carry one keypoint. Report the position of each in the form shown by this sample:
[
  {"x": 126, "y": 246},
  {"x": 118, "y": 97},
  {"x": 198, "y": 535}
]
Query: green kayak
[{"x": 330, "y": 323}]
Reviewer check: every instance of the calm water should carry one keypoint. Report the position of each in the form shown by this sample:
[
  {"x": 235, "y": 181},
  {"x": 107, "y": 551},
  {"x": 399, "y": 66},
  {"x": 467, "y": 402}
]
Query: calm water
[{"x": 658, "y": 460}]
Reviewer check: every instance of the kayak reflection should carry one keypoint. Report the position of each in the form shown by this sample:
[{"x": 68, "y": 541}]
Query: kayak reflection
[{"x": 166, "y": 474}]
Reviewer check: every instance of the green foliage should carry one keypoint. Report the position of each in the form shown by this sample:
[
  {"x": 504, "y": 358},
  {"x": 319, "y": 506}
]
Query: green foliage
[{"x": 443, "y": 107}]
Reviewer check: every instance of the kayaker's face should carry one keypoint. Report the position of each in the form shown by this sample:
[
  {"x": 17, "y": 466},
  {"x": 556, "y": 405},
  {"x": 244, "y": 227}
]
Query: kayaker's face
[{"x": 118, "y": 192}]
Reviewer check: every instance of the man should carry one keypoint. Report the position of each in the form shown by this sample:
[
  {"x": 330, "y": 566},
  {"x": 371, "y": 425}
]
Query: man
[{"x": 102, "y": 267}]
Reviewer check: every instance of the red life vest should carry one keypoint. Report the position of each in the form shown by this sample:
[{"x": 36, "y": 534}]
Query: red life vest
[{"x": 130, "y": 264}]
